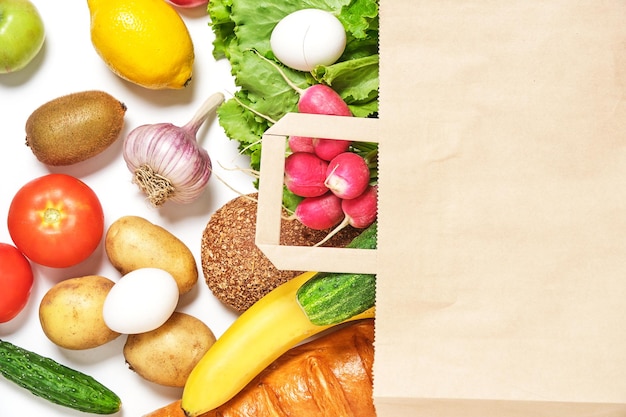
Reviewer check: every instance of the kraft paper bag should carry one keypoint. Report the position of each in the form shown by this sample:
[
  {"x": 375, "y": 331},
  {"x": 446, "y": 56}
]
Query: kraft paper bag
[
  {"x": 305, "y": 258},
  {"x": 502, "y": 224},
  {"x": 501, "y": 259}
]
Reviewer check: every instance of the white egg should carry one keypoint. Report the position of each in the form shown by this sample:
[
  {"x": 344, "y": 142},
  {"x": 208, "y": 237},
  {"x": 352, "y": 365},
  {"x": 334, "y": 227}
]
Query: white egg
[
  {"x": 140, "y": 301},
  {"x": 307, "y": 38}
]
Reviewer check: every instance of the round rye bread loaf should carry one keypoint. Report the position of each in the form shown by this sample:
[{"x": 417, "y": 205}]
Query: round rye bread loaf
[{"x": 234, "y": 268}]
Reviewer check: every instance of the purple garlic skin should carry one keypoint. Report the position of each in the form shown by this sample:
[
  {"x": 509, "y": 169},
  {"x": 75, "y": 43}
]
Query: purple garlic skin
[{"x": 166, "y": 160}]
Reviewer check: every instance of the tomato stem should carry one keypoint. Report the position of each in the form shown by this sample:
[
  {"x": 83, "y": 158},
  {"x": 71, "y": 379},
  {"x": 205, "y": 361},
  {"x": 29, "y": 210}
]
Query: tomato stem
[{"x": 51, "y": 216}]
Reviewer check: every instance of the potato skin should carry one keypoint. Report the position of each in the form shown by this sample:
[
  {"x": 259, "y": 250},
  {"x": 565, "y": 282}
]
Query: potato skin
[
  {"x": 70, "y": 313},
  {"x": 167, "y": 354},
  {"x": 132, "y": 242}
]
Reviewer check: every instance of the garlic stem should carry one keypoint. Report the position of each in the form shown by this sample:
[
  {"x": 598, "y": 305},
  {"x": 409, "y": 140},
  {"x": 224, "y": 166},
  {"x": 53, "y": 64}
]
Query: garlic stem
[{"x": 209, "y": 106}]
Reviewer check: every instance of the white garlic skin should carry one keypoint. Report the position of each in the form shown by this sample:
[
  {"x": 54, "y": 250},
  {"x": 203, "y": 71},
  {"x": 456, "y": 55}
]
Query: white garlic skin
[
  {"x": 166, "y": 160},
  {"x": 173, "y": 153}
]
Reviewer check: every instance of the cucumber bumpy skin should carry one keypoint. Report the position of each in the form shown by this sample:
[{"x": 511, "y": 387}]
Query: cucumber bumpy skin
[
  {"x": 331, "y": 298},
  {"x": 55, "y": 382}
]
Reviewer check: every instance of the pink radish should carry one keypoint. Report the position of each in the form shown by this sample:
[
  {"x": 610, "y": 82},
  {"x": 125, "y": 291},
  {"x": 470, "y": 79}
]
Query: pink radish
[
  {"x": 362, "y": 210},
  {"x": 301, "y": 144},
  {"x": 347, "y": 175},
  {"x": 319, "y": 99},
  {"x": 305, "y": 174},
  {"x": 359, "y": 212},
  {"x": 321, "y": 212},
  {"x": 316, "y": 99},
  {"x": 327, "y": 149}
]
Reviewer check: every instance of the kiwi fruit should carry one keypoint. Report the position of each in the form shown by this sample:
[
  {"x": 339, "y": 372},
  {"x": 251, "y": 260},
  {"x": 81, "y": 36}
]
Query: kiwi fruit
[{"x": 74, "y": 127}]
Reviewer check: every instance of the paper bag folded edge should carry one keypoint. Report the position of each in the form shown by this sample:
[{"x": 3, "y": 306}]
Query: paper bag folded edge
[
  {"x": 454, "y": 407},
  {"x": 267, "y": 236}
]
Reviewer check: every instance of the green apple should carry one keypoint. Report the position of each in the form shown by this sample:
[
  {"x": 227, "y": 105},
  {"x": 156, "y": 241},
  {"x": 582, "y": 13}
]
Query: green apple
[{"x": 21, "y": 34}]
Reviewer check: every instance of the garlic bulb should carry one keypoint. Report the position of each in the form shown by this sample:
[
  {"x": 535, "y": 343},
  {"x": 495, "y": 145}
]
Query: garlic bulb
[{"x": 166, "y": 160}]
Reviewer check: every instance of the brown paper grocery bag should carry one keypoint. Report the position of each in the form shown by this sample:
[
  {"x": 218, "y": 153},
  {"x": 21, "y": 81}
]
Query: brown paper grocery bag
[
  {"x": 305, "y": 258},
  {"x": 501, "y": 260}
]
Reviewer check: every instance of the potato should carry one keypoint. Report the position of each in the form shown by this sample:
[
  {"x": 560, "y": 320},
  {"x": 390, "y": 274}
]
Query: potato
[
  {"x": 167, "y": 354},
  {"x": 133, "y": 242},
  {"x": 70, "y": 313}
]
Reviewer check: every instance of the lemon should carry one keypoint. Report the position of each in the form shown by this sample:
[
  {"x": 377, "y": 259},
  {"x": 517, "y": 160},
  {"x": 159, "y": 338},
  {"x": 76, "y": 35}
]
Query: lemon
[{"x": 143, "y": 41}]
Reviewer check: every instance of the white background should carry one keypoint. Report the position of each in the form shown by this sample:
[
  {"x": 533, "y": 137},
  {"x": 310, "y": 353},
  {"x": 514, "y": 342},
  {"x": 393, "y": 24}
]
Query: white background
[{"x": 68, "y": 63}]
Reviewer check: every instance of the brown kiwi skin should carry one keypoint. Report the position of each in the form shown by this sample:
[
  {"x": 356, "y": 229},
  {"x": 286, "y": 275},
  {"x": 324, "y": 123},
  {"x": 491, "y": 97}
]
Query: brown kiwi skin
[{"x": 75, "y": 127}]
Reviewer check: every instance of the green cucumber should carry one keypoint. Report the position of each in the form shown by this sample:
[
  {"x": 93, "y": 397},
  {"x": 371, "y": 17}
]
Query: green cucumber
[
  {"x": 331, "y": 298},
  {"x": 55, "y": 382}
]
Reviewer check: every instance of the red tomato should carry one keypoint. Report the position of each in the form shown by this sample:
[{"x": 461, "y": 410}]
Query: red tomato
[
  {"x": 16, "y": 281},
  {"x": 56, "y": 220}
]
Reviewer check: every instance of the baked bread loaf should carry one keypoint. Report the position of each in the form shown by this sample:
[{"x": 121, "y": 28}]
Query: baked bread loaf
[
  {"x": 234, "y": 268},
  {"x": 329, "y": 376}
]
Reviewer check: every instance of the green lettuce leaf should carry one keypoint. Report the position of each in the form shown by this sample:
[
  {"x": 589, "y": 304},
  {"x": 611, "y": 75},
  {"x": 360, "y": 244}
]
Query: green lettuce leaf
[{"x": 242, "y": 30}]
